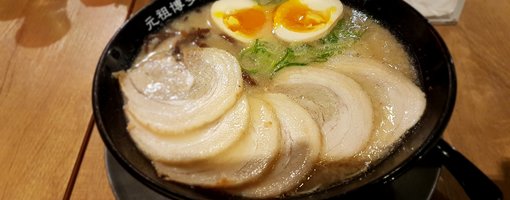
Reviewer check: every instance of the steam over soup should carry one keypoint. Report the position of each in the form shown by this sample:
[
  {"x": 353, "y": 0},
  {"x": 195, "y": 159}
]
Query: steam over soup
[{"x": 266, "y": 100}]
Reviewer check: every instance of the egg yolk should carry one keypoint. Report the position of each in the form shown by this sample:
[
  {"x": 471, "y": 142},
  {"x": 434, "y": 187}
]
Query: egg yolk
[
  {"x": 298, "y": 17},
  {"x": 247, "y": 21}
]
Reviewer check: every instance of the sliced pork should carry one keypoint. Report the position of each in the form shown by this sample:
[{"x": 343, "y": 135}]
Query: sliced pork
[
  {"x": 173, "y": 97},
  {"x": 397, "y": 101},
  {"x": 247, "y": 160},
  {"x": 299, "y": 152},
  {"x": 198, "y": 144},
  {"x": 337, "y": 103}
]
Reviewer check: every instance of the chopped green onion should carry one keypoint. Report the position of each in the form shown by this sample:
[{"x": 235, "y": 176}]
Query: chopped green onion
[{"x": 270, "y": 57}]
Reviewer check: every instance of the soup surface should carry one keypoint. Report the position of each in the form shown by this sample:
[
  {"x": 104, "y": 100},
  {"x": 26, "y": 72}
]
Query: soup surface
[{"x": 267, "y": 99}]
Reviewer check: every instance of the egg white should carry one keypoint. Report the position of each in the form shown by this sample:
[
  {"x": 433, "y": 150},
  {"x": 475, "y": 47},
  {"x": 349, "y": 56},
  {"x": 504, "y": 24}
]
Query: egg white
[{"x": 287, "y": 35}]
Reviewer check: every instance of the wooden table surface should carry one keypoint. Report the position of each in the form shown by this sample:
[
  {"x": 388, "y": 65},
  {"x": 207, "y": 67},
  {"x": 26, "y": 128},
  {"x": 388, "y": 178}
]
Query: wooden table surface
[{"x": 50, "y": 148}]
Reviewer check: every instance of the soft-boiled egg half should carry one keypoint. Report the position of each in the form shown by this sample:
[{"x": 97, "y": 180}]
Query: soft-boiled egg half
[
  {"x": 305, "y": 20},
  {"x": 240, "y": 19}
]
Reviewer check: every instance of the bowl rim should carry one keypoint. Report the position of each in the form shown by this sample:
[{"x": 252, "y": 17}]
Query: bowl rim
[{"x": 430, "y": 142}]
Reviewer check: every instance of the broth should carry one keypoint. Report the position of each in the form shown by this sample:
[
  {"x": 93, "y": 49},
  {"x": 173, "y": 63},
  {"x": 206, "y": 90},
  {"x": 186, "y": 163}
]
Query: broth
[{"x": 376, "y": 46}]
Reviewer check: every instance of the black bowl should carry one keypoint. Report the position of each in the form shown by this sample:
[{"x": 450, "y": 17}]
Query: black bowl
[{"x": 431, "y": 58}]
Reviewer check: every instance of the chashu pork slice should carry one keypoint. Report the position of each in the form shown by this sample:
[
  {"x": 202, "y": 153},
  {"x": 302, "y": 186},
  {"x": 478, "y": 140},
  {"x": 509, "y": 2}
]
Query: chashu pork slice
[
  {"x": 337, "y": 103},
  {"x": 247, "y": 160},
  {"x": 300, "y": 149},
  {"x": 198, "y": 144},
  {"x": 398, "y": 103},
  {"x": 173, "y": 97}
]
